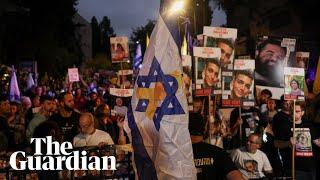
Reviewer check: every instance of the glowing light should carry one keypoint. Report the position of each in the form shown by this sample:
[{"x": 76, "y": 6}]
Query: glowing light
[{"x": 177, "y": 6}]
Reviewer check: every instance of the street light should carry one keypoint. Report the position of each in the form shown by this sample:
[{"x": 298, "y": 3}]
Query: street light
[{"x": 177, "y": 6}]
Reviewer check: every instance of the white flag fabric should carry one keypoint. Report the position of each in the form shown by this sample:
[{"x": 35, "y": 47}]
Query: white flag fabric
[
  {"x": 30, "y": 81},
  {"x": 157, "y": 119},
  {"x": 14, "y": 88}
]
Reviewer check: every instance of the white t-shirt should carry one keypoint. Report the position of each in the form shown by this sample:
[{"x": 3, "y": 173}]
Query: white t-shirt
[
  {"x": 81, "y": 140},
  {"x": 251, "y": 165}
]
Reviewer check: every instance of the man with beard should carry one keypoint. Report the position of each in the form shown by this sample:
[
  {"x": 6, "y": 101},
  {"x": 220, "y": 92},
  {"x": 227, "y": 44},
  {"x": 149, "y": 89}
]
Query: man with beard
[
  {"x": 269, "y": 63},
  {"x": 67, "y": 118}
]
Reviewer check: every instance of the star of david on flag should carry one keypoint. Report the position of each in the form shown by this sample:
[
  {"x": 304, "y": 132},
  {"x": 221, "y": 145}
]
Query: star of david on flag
[{"x": 157, "y": 119}]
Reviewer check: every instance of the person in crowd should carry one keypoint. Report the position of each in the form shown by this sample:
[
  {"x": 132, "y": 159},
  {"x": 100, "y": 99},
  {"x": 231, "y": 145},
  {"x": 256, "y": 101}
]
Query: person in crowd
[
  {"x": 226, "y": 47},
  {"x": 47, "y": 128},
  {"x": 67, "y": 118},
  {"x": 210, "y": 73},
  {"x": 120, "y": 52},
  {"x": 187, "y": 84},
  {"x": 284, "y": 140},
  {"x": 252, "y": 162},
  {"x": 295, "y": 90},
  {"x": 16, "y": 122},
  {"x": 89, "y": 135},
  {"x": 270, "y": 150},
  {"x": 197, "y": 105},
  {"x": 79, "y": 100},
  {"x": 271, "y": 109},
  {"x": 242, "y": 126},
  {"x": 270, "y": 59},
  {"x": 26, "y": 104},
  {"x": 38, "y": 91},
  {"x": 262, "y": 99},
  {"x": 313, "y": 114},
  {"x": 119, "y": 108},
  {"x": 105, "y": 123},
  {"x": 15, "y": 116},
  {"x": 211, "y": 161},
  {"x": 241, "y": 84},
  {"x": 91, "y": 103},
  {"x": 46, "y": 109},
  {"x": 33, "y": 110},
  {"x": 6, "y": 134}
]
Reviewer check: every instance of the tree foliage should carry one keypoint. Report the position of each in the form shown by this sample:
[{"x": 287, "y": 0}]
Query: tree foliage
[
  {"x": 42, "y": 31},
  {"x": 139, "y": 34}
]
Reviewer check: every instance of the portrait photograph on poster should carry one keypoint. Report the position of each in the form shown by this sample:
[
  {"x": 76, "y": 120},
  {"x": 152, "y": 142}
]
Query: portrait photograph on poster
[
  {"x": 223, "y": 38},
  {"x": 119, "y": 49},
  {"x": 241, "y": 85},
  {"x": 207, "y": 70},
  {"x": 271, "y": 56},
  {"x": 303, "y": 145},
  {"x": 302, "y": 60},
  {"x": 294, "y": 83},
  {"x": 187, "y": 76}
]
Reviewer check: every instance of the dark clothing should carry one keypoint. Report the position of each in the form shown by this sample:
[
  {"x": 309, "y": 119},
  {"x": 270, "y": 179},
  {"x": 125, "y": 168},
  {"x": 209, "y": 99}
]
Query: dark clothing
[
  {"x": 282, "y": 125},
  {"x": 272, "y": 154},
  {"x": 4, "y": 128},
  {"x": 113, "y": 130},
  {"x": 68, "y": 125},
  {"x": 252, "y": 123},
  {"x": 211, "y": 161}
]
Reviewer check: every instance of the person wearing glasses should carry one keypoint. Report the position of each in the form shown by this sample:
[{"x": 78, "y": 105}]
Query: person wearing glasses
[
  {"x": 241, "y": 84},
  {"x": 252, "y": 162}
]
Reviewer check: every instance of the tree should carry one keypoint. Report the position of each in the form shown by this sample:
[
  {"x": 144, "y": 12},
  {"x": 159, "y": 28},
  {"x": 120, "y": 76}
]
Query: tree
[
  {"x": 96, "y": 43},
  {"x": 106, "y": 32},
  {"x": 140, "y": 34},
  {"x": 45, "y": 34}
]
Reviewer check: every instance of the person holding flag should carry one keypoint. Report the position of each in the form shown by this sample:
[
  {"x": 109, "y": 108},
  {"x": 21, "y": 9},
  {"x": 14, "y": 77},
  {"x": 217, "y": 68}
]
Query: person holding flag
[{"x": 157, "y": 119}]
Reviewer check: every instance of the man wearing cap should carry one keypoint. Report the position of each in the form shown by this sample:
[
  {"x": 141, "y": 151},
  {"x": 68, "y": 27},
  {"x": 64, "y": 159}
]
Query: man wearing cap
[{"x": 211, "y": 161}]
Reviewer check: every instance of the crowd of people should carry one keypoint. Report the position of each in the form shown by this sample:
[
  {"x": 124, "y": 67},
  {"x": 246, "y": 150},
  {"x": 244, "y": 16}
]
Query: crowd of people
[
  {"x": 259, "y": 140},
  {"x": 253, "y": 142}
]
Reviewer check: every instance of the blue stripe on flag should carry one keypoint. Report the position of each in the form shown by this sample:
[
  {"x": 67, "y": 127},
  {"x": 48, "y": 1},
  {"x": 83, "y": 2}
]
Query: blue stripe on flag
[{"x": 145, "y": 166}]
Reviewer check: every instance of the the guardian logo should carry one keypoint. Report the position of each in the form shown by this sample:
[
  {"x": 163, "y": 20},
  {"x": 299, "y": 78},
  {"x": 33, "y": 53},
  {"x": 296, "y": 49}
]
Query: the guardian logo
[{"x": 55, "y": 160}]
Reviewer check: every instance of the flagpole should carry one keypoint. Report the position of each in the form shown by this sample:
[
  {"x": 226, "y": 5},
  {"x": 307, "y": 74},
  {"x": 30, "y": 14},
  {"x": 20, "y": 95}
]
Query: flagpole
[
  {"x": 240, "y": 127},
  {"x": 293, "y": 135}
]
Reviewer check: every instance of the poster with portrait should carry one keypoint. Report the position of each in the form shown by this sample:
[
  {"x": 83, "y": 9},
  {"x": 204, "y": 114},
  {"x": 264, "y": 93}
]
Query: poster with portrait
[
  {"x": 223, "y": 38},
  {"x": 294, "y": 83},
  {"x": 200, "y": 40},
  {"x": 73, "y": 74},
  {"x": 207, "y": 70},
  {"x": 302, "y": 60},
  {"x": 187, "y": 77},
  {"x": 119, "y": 49},
  {"x": 241, "y": 85},
  {"x": 303, "y": 146},
  {"x": 272, "y": 55}
]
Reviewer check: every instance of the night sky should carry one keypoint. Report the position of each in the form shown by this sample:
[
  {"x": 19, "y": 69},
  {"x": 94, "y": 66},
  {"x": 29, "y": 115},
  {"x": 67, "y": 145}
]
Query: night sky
[{"x": 128, "y": 14}]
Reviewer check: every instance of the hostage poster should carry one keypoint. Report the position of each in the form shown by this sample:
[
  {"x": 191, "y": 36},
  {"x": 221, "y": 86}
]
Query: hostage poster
[
  {"x": 207, "y": 70},
  {"x": 271, "y": 56}
]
